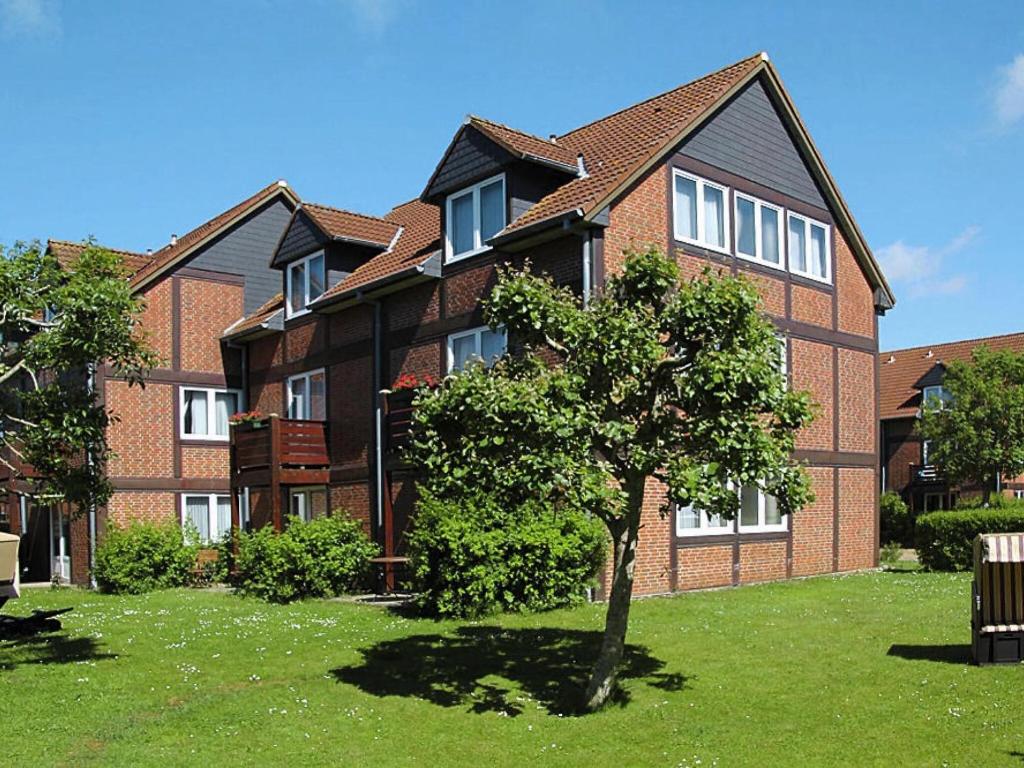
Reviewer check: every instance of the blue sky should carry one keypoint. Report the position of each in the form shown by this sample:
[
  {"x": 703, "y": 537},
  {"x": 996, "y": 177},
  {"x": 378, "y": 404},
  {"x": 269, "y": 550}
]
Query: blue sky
[{"x": 130, "y": 121}]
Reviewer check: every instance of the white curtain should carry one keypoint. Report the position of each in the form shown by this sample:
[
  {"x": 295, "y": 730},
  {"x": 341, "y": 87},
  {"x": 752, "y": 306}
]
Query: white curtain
[
  {"x": 770, "y": 235},
  {"x": 686, "y": 207},
  {"x": 196, "y": 421},
  {"x": 197, "y": 512},
  {"x": 223, "y": 517},
  {"x": 797, "y": 253},
  {"x": 714, "y": 216},
  {"x": 818, "y": 251},
  {"x": 226, "y": 405}
]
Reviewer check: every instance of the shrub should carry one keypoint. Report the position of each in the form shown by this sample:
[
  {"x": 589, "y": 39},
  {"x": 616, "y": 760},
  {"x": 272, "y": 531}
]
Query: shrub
[
  {"x": 945, "y": 539},
  {"x": 325, "y": 557},
  {"x": 889, "y": 553},
  {"x": 144, "y": 557},
  {"x": 896, "y": 522},
  {"x": 476, "y": 556}
]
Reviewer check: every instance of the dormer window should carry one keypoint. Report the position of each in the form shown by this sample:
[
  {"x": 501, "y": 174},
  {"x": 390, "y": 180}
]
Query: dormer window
[
  {"x": 473, "y": 216},
  {"x": 936, "y": 396},
  {"x": 305, "y": 283}
]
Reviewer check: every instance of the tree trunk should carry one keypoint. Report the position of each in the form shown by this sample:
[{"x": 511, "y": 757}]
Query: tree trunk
[{"x": 602, "y": 678}]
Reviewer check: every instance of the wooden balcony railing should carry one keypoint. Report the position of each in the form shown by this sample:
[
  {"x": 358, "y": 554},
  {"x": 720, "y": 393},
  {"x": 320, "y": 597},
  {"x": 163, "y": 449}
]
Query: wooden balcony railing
[
  {"x": 285, "y": 451},
  {"x": 925, "y": 473},
  {"x": 398, "y": 411}
]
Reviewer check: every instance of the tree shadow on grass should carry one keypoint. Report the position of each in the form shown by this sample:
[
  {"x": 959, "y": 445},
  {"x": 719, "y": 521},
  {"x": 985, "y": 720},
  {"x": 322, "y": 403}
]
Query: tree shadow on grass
[
  {"x": 946, "y": 654},
  {"x": 473, "y": 667},
  {"x": 44, "y": 643}
]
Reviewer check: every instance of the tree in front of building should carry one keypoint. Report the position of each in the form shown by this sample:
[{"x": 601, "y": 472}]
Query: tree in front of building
[
  {"x": 976, "y": 433},
  {"x": 656, "y": 380},
  {"x": 56, "y": 325}
]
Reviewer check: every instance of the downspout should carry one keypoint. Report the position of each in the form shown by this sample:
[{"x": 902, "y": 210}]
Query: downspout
[
  {"x": 92, "y": 505},
  {"x": 588, "y": 249},
  {"x": 378, "y": 429}
]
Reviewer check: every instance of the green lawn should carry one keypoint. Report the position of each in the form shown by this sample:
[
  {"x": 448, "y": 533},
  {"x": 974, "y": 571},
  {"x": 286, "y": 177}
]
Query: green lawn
[{"x": 868, "y": 669}]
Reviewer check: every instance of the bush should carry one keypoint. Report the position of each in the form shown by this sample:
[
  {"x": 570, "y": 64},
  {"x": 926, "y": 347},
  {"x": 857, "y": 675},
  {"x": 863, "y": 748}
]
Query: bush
[
  {"x": 476, "y": 556},
  {"x": 889, "y": 553},
  {"x": 896, "y": 522},
  {"x": 325, "y": 557},
  {"x": 144, "y": 557},
  {"x": 945, "y": 539}
]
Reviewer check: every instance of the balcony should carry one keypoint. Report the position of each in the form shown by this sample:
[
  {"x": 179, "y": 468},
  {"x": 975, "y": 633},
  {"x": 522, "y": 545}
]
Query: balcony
[
  {"x": 278, "y": 452},
  {"x": 398, "y": 412},
  {"x": 925, "y": 474}
]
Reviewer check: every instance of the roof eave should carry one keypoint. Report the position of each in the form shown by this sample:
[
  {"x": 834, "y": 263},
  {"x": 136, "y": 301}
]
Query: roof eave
[
  {"x": 428, "y": 269},
  {"x": 564, "y": 220}
]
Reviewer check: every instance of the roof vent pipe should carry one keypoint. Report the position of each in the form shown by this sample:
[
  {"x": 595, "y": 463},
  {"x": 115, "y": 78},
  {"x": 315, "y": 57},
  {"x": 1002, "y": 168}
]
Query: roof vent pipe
[
  {"x": 930, "y": 354},
  {"x": 891, "y": 360},
  {"x": 149, "y": 251},
  {"x": 581, "y": 167},
  {"x": 174, "y": 239}
]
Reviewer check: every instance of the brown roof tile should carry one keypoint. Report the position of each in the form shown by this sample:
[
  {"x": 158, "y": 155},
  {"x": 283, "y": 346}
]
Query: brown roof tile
[
  {"x": 67, "y": 253},
  {"x": 616, "y": 146},
  {"x": 169, "y": 253},
  {"x": 524, "y": 144},
  {"x": 901, "y": 369},
  {"x": 269, "y": 308},
  {"x": 347, "y": 225}
]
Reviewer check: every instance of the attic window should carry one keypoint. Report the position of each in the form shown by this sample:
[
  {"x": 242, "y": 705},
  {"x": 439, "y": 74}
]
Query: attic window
[
  {"x": 936, "y": 396},
  {"x": 305, "y": 283},
  {"x": 473, "y": 216}
]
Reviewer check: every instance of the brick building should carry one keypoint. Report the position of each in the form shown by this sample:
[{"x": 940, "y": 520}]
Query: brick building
[
  {"x": 720, "y": 171},
  {"x": 910, "y": 377},
  {"x": 170, "y": 438}
]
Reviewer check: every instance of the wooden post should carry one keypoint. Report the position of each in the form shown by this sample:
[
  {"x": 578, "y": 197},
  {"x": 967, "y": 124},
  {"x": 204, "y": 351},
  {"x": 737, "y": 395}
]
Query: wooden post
[{"x": 275, "y": 472}]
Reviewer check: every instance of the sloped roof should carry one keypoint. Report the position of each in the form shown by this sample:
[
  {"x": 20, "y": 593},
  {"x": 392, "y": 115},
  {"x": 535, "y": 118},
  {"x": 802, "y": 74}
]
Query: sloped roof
[
  {"x": 171, "y": 254},
  {"x": 262, "y": 318},
  {"x": 902, "y": 369},
  {"x": 524, "y": 145},
  {"x": 67, "y": 254},
  {"x": 347, "y": 225},
  {"x": 418, "y": 241}
]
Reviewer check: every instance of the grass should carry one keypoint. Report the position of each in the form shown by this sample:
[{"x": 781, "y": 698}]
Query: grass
[{"x": 869, "y": 669}]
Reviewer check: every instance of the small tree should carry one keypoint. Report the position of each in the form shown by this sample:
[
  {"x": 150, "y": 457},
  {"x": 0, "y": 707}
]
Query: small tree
[
  {"x": 977, "y": 436},
  {"x": 55, "y": 326},
  {"x": 654, "y": 380}
]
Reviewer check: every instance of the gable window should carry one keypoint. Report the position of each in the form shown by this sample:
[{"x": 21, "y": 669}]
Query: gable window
[
  {"x": 306, "y": 282},
  {"x": 476, "y": 344},
  {"x": 700, "y": 214},
  {"x": 474, "y": 215},
  {"x": 936, "y": 396},
  {"x": 307, "y": 396},
  {"x": 758, "y": 230},
  {"x": 810, "y": 254},
  {"x": 205, "y": 412},
  {"x": 306, "y": 502},
  {"x": 208, "y": 513}
]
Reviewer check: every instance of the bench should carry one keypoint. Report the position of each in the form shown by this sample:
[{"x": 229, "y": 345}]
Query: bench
[
  {"x": 997, "y": 599},
  {"x": 387, "y": 570}
]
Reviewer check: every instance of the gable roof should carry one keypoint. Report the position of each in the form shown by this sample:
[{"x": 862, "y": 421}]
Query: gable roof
[
  {"x": 414, "y": 251},
  {"x": 171, "y": 254},
  {"x": 353, "y": 227},
  {"x": 618, "y": 149},
  {"x": 67, "y": 254},
  {"x": 902, "y": 371}
]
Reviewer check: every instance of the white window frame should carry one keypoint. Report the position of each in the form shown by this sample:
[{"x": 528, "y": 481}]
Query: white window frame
[
  {"x": 478, "y": 333},
  {"x": 307, "y": 299},
  {"x": 940, "y": 392},
  {"x": 306, "y": 375},
  {"x": 211, "y": 415},
  {"x": 757, "y": 257},
  {"x": 808, "y": 222},
  {"x": 726, "y": 208},
  {"x": 211, "y": 510},
  {"x": 306, "y": 492},
  {"x": 784, "y": 363},
  {"x": 733, "y": 526},
  {"x": 705, "y": 528},
  {"x": 761, "y": 526},
  {"x": 478, "y": 245}
]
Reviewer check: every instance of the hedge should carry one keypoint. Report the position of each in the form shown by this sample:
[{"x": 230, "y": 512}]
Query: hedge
[
  {"x": 143, "y": 557},
  {"x": 945, "y": 540}
]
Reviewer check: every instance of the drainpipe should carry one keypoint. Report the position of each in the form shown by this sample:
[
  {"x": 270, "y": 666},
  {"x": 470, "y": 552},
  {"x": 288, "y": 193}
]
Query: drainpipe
[
  {"x": 378, "y": 430},
  {"x": 588, "y": 249},
  {"x": 92, "y": 506}
]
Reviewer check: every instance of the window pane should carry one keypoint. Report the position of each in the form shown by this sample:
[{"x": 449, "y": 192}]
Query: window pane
[
  {"x": 196, "y": 422},
  {"x": 463, "y": 348},
  {"x": 797, "y": 254},
  {"x": 492, "y": 345},
  {"x": 771, "y": 511},
  {"x": 818, "y": 251},
  {"x": 197, "y": 512},
  {"x": 714, "y": 216},
  {"x": 745, "y": 226},
  {"x": 298, "y": 505},
  {"x": 296, "y": 293},
  {"x": 297, "y": 406},
  {"x": 318, "y": 396},
  {"x": 686, "y": 208},
  {"x": 316, "y": 276},
  {"x": 770, "y": 250},
  {"x": 226, "y": 405},
  {"x": 460, "y": 228},
  {"x": 688, "y": 517},
  {"x": 492, "y": 210},
  {"x": 223, "y": 517},
  {"x": 717, "y": 521},
  {"x": 748, "y": 506}
]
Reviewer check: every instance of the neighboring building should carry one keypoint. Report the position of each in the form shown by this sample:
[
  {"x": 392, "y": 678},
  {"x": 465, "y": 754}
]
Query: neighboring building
[
  {"x": 718, "y": 172},
  {"x": 171, "y": 437},
  {"x": 910, "y": 377}
]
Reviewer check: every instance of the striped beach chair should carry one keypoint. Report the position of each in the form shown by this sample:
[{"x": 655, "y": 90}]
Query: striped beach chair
[{"x": 997, "y": 609}]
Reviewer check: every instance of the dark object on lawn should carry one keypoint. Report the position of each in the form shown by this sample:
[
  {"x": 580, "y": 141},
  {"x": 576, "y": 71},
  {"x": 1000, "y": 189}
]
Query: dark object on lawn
[
  {"x": 997, "y": 608},
  {"x": 39, "y": 621}
]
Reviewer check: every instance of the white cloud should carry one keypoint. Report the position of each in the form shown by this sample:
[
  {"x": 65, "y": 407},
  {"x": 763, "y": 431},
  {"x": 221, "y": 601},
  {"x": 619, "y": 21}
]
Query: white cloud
[
  {"x": 1009, "y": 98},
  {"x": 29, "y": 17},
  {"x": 374, "y": 15},
  {"x": 919, "y": 267}
]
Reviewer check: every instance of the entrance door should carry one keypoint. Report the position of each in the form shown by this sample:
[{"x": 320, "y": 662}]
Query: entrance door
[
  {"x": 34, "y": 551},
  {"x": 60, "y": 545}
]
